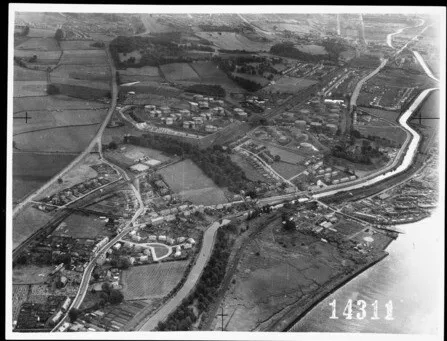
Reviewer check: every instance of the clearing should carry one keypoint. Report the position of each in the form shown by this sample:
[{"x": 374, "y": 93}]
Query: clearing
[
  {"x": 312, "y": 49},
  {"x": 83, "y": 57},
  {"x": 179, "y": 72},
  {"x": 153, "y": 280},
  {"x": 30, "y": 274},
  {"x": 288, "y": 84},
  {"x": 82, "y": 226},
  {"x": 191, "y": 184},
  {"x": 234, "y": 41},
  {"x": 30, "y": 88}
]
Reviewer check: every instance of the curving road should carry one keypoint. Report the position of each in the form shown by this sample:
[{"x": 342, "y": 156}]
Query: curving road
[{"x": 193, "y": 277}]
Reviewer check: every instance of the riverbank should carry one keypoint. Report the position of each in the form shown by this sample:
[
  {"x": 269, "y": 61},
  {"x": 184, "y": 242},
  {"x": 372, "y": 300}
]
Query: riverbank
[{"x": 298, "y": 310}]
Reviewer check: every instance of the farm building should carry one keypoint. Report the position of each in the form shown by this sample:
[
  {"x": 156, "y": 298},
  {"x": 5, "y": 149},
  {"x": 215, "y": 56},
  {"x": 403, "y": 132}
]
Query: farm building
[
  {"x": 162, "y": 238},
  {"x": 157, "y": 221},
  {"x": 187, "y": 246},
  {"x": 181, "y": 239},
  {"x": 117, "y": 246},
  {"x": 191, "y": 241},
  {"x": 210, "y": 128},
  {"x": 152, "y": 162}
]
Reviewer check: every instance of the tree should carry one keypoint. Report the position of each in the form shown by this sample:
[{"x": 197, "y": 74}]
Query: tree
[
  {"x": 113, "y": 145},
  {"x": 123, "y": 263},
  {"x": 115, "y": 296},
  {"x": 59, "y": 35},
  {"x": 73, "y": 314},
  {"x": 105, "y": 287},
  {"x": 52, "y": 89},
  {"x": 277, "y": 158}
]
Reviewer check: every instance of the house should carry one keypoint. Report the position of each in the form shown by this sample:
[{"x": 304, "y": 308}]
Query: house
[
  {"x": 162, "y": 238},
  {"x": 170, "y": 241},
  {"x": 187, "y": 246},
  {"x": 191, "y": 241}
]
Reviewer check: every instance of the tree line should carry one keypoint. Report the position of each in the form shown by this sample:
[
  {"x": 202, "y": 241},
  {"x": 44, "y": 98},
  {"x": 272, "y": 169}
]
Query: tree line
[
  {"x": 206, "y": 290},
  {"x": 213, "y": 161}
]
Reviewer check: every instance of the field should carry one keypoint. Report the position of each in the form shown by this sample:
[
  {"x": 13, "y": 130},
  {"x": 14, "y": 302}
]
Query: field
[
  {"x": 50, "y": 119},
  {"x": 82, "y": 72},
  {"x": 40, "y": 44},
  {"x": 41, "y": 33},
  {"x": 23, "y": 74},
  {"x": 152, "y": 25},
  {"x": 152, "y": 281},
  {"x": 32, "y": 170},
  {"x": 54, "y": 103},
  {"x": 286, "y": 169},
  {"x": 179, "y": 72},
  {"x": 190, "y": 183},
  {"x": 270, "y": 276},
  {"x": 30, "y": 274},
  {"x": 285, "y": 155},
  {"x": 124, "y": 57},
  {"x": 84, "y": 57},
  {"x": 30, "y": 88},
  {"x": 399, "y": 78},
  {"x": 58, "y": 139},
  {"x": 209, "y": 73},
  {"x": 289, "y": 84},
  {"x": 234, "y": 41},
  {"x": 386, "y": 114},
  {"x": 43, "y": 57},
  {"x": 82, "y": 226},
  {"x": 26, "y": 222},
  {"x": 145, "y": 73},
  {"x": 312, "y": 49},
  {"x": 78, "y": 45}
]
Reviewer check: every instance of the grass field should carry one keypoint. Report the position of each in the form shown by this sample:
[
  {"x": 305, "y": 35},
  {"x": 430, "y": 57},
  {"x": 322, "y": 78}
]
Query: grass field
[
  {"x": 131, "y": 153},
  {"x": 312, "y": 49},
  {"x": 19, "y": 296},
  {"x": 40, "y": 44},
  {"x": 82, "y": 226},
  {"x": 82, "y": 72},
  {"x": 54, "y": 103},
  {"x": 152, "y": 281},
  {"x": 152, "y": 25},
  {"x": 286, "y": 169},
  {"x": 285, "y": 155},
  {"x": 58, "y": 139},
  {"x": 23, "y": 74},
  {"x": 43, "y": 57},
  {"x": 84, "y": 57},
  {"x": 290, "y": 84},
  {"x": 179, "y": 71},
  {"x": 234, "y": 41},
  {"x": 41, "y": 33},
  {"x": 189, "y": 182},
  {"x": 26, "y": 222},
  {"x": 51, "y": 119},
  {"x": 209, "y": 73},
  {"x": 150, "y": 71},
  {"x": 78, "y": 45},
  {"x": 30, "y": 88}
]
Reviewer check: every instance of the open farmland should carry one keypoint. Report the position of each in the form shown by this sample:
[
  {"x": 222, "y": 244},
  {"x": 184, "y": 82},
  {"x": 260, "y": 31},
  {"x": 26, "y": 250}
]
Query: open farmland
[
  {"x": 84, "y": 57},
  {"x": 30, "y": 88},
  {"x": 153, "y": 280},
  {"x": 290, "y": 84},
  {"x": 54, "y": 103},
  {"x": 145, "y": 73},
  {"x": 23, "y": 74},
  {"x": 189, "y": 182},
  {"x": 154, "y": 25},
  {"x": 78, "y": 45},
  {"x": 234, "y": 41},
  {"x": 82, "y": 72},
  {"x": 40, "y": 119},
  {"x": 39, "y": 44},
  {"x": 58, "y": 139},
  {"x": 35, "y": 32},
  {"x": 178, "y": 72},
  {"x": 43, "y": 57}
]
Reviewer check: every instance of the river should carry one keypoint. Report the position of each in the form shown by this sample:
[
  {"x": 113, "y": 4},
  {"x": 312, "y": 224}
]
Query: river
[{"x": 411, "y": 276}]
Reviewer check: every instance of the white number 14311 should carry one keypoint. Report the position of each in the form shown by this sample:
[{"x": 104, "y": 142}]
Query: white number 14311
[{"x": 362, "y": 310}]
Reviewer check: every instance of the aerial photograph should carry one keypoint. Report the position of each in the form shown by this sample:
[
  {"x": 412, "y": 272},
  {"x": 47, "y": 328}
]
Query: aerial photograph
[{"x": 225, "y": 170}]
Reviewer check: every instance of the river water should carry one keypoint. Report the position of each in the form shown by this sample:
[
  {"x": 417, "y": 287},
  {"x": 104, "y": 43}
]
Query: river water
[{"x": 411, "y": 277}]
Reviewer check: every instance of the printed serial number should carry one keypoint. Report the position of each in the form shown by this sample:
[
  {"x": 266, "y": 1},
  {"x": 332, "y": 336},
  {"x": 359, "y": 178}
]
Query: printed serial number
[{"x": 363, "y": 309}]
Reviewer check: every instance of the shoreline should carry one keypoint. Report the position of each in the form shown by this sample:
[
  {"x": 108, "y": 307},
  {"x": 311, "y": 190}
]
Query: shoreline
[{"x": 290, "y": 319}]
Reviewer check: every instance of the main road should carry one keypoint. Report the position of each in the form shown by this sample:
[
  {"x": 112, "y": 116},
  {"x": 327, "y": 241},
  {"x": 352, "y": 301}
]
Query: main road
[
  {"x": 95, "y": 141},
  {"x": 191, "y": 281}
]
